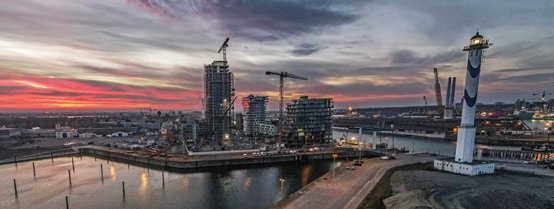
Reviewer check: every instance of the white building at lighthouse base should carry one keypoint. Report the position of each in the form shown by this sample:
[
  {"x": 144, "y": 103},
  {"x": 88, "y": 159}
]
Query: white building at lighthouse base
[{"x": 474, "y": 168}]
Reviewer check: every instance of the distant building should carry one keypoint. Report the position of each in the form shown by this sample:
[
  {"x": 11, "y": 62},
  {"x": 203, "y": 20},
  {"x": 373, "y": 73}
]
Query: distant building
[
  {"x": 268, "y": 128},
  {"x": 120, "y": 134},
  {"x": 309, "y": 122},
  {"x": 190, "y": 129},
  {"x": 254, "y": 108},
  {"x": 108, "y": 131},
  {"x": 37, "y": 132},
  {"x": 219, "y": 92},
  {"x": 9, "y": 132},
  {"x": 65, "y": 132},
  {"x": 88, "y": 135}
]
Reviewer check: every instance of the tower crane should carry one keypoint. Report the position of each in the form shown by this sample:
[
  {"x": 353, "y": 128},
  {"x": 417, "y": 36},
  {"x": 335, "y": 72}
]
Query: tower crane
[
  {"x": 282, "y": 76},
  {"x": 223, "y": 48},
  {"x": 542, "y": 94},
  {"x": 437, "y": 87}
]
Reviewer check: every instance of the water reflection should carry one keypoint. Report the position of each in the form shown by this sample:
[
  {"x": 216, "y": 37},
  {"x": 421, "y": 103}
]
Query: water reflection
[
  {"x": 306, "y": 174},
  {"x": 247, "y": 182},
  {"x": 112, "y": 172},
  {"x": 220, "y": 188},
  {"x": 185, "y": 182},
  {"x": 143, "y": 182}
]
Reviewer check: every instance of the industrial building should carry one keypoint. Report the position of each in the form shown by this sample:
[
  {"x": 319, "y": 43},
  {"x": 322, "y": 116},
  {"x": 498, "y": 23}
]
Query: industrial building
[
  {"x": 219, "y": 96},
  {"x": 9, "y": 132},
  {"x": 308, "y": 122},
  {"x": 65, "y": 132},
  {"x": 254, "y": 110}
]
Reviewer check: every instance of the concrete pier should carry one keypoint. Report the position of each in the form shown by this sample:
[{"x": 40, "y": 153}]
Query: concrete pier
[{"x": 180, "y": 162}]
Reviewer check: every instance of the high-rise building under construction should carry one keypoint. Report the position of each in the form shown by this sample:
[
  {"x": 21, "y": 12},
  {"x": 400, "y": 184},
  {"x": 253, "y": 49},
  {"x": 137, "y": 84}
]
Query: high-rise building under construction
[
  {"x": 309, "y": 122},
  {"x": 218, "y": 95}
]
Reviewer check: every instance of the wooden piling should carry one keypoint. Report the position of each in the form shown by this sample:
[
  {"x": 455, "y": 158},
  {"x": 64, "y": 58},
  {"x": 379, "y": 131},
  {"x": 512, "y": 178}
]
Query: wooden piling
[
  {"x": 15, "y": 160},
  {"x": 102, "y": 172},
  {"x": 73, "y": 164},
  {"x": 69, "y": 174},
  {"x": 163, "y": 179},
  {"x": 15, "y": 187},
  {"x": 34, "y": 171},
  {"x": 52, "y": 156},
  {"x": 123, "y": 185},
  {"x": 66, "y": 202}
]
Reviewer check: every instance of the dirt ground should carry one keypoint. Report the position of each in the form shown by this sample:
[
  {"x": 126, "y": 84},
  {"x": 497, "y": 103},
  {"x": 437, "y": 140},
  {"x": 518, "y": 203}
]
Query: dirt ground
[{"x": 422, "y": 189}]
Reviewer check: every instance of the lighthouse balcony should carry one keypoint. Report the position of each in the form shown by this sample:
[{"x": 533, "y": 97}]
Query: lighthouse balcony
[{"x": 476, "y": 46}]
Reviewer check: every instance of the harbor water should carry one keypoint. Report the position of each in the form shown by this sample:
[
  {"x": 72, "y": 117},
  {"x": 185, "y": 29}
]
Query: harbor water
[{"x": 257, "y": 187}]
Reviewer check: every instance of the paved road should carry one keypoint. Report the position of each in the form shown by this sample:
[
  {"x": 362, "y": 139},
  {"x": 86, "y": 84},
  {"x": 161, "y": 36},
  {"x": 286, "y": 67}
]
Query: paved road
[{"x": 349, "y": 187}]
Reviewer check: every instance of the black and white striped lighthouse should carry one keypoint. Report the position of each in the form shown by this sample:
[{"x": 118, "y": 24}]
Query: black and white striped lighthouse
[{"x": 466, "y": 131}]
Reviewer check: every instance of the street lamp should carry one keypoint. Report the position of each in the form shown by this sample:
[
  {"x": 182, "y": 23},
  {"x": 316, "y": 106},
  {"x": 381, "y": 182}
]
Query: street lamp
[
  {"x": 334, "y": 164},
  {"x": 360, "y": 149},
  {"x": 392, "y": 133}
]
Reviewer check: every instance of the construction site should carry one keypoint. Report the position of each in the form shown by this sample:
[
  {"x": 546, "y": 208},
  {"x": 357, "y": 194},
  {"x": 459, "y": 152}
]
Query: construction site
[{"x": 306, "y": 123}]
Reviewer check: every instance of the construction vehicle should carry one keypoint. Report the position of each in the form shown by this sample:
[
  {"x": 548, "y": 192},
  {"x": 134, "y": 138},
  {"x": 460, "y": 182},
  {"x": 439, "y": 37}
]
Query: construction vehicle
[{"x": 282, "y": 76}]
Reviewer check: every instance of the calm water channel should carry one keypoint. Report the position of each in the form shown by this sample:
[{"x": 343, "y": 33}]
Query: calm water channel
[
  {"x": 421, "y": 145},
  {"x": 257, "y": 187}
]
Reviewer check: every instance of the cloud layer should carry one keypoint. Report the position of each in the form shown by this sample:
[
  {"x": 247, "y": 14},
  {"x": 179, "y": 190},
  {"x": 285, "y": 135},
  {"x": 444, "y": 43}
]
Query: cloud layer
[{"x": 133, "y": 54}]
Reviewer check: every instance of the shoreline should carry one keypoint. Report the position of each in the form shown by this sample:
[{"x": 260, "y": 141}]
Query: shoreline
[
  {"x": 181, "y": 163},
  {"x": 349, "y": 187}
]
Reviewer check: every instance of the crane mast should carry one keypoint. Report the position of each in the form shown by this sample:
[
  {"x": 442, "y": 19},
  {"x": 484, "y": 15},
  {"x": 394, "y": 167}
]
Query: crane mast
[{"x": 282, "y": 76}]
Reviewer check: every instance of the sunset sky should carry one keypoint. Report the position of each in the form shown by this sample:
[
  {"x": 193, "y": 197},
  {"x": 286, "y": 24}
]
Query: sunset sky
[{"x": 133, "y": 54}]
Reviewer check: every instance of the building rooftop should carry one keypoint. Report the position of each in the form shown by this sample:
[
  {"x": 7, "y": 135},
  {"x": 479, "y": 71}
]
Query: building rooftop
[{"x": 475, "y": 162}]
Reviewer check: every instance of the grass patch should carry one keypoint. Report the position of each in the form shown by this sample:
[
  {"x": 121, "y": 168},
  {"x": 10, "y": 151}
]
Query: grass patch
[{"x": 382, "y": 190}]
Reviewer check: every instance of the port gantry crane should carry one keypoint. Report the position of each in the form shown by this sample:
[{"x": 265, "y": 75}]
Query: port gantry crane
[{"x": 282, "y": 76}]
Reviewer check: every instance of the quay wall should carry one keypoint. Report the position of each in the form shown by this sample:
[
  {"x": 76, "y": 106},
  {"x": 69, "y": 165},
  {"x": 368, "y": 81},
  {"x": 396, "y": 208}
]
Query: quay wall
[{"x": 197, "y": 163}]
